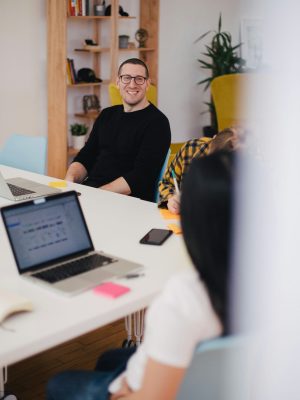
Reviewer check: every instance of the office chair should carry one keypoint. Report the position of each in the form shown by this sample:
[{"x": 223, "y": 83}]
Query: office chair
[
  {"x": 227, "y": 93},
  {"x": 25, "y": 152},
  {"x": 219, "y": 371},
  {"x": 174, "y": 148},
  {"x": 161, "y": 174},
  {"x": 115, "y": 97}
]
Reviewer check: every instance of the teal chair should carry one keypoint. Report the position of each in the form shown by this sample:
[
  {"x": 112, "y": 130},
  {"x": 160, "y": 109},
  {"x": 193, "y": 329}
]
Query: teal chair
[
  {"x": 25, "y": 152},
  {"x": 219, "y": 371},
  {"x": 161, "y": 174}
]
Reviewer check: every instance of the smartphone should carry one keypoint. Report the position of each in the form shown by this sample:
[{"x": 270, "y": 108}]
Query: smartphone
[{"x": 156, "y": 236}]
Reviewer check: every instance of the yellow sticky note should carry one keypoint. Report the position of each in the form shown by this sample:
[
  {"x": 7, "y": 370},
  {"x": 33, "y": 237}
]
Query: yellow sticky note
[
  {"x": 58, "y": 184},
  {"x": 175, "y": 228},
  {"x": 166, "y": 214}
]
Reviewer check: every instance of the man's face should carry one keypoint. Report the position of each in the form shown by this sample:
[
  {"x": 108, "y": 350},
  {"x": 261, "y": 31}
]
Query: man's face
[{"x": 132, "y": 93}]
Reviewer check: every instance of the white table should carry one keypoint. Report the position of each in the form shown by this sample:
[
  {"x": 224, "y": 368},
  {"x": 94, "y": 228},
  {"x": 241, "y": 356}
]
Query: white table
[{"x": 116, "y": 224}]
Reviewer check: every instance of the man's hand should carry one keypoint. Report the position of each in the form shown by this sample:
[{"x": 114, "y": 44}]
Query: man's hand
[
  {"x": 174, "y": 204},
  {"x": 76, "y": 173}
]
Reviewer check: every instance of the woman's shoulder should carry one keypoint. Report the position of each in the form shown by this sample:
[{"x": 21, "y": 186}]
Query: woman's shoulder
[{"x": 187, "y": 286}]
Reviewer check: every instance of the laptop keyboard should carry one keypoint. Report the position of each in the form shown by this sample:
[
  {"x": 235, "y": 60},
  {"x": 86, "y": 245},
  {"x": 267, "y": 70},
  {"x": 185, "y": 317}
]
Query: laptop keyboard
[
  {"x": 18, "y": 191},
  {"x": 74, "y": 268}
]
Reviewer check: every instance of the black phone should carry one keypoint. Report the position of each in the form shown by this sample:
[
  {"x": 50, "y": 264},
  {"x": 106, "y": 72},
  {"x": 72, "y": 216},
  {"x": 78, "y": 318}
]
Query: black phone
[{"x": 156, "y": 236}]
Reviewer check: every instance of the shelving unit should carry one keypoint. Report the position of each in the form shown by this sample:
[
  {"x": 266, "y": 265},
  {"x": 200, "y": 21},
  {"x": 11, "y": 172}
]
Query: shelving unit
[{"x": 58, "y": 89}]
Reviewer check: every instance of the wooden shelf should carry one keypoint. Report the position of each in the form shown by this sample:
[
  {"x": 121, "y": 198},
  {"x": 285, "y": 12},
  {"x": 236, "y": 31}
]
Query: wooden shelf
[
  {"x": 138, "y": 49},
  {"x": 104, "y": 49},
  {"x": 89, "y": 115},
  {"x": 104, "y": 17},
  {"x": 57, "y": 53},
  {"x": 85, "y": 84}
]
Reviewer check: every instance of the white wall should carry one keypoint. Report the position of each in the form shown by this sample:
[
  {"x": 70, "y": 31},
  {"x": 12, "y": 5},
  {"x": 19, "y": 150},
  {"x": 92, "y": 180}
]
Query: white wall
[
  {"x": 181, "y": 23},
  {"x": 23, "y": 99}
]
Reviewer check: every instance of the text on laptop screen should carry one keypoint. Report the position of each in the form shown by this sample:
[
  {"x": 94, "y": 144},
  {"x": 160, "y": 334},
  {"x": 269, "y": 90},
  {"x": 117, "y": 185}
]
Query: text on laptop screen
[{"x": 45, "y": 230}]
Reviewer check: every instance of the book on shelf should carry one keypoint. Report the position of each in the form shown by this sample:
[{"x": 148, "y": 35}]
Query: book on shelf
[
  {"x": 72, "y": 8},
  {"x": 83, "y": 7},
  {"x": 71, "y": 67},
  {"x": 87, "y": 7},
  {"x": 71, "y": 72},
  {"x": 69, "y": 76}
]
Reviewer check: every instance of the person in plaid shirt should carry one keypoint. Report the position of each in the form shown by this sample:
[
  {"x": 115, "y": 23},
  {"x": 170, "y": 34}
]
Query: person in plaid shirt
[{"x": 224, "y": 140}]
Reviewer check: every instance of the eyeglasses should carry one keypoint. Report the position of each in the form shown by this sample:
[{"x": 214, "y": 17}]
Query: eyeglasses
[{"x": 138, "y": 80}]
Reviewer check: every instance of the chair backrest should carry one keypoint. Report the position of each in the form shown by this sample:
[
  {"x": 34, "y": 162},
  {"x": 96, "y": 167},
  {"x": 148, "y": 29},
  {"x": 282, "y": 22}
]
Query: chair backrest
[
  {"x": 116, "y": 99},
  {"x": 25, "y": 152},
  {"x": 219, "y": 371},
  {"x": 229, "y": 97},
  {"x": 161, "y": 174}
]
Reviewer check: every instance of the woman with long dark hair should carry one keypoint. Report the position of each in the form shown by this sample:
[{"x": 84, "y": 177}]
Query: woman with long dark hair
[{"x": 193, "y": 306}]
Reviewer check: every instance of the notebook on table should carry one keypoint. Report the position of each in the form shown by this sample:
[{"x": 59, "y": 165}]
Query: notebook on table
[
  {"x": 17, "y": 189},
  {"x": 52, "y": 245}
]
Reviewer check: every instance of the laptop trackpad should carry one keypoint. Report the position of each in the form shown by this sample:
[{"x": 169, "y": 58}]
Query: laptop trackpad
[{"x": 97, "y": 275}]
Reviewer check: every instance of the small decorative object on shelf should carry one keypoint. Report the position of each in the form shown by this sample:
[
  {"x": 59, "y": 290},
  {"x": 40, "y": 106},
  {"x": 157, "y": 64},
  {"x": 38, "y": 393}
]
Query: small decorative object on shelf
[
  {"x": 90, "y": 45},
  {"x": 123, "y": 41},
  {"x": 99, "y": 8},
  {"x": 90, "y": 103},
  {"x": 87, "y": 75},
  {"x": 121, "y": 11},
  {"x": 131, "y": 45},
  {"x": 141, "y": 36},
  {"x": 78, "y": 132}
]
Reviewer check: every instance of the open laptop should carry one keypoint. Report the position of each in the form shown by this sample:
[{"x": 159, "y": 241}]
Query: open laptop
[
  {"x": 23, "y": 189},
  {"x": 51, "y": 244}
]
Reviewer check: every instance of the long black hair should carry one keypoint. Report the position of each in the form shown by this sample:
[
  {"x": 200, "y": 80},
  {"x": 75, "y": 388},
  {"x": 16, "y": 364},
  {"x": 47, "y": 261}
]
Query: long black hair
[{"x": 206, "y": 216}]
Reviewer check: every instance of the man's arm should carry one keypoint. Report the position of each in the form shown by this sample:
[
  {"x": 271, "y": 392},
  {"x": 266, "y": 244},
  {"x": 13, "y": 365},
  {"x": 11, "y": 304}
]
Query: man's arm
[
  {"x": 119, "y": 185},
  {"x": 76, "y": 173}
]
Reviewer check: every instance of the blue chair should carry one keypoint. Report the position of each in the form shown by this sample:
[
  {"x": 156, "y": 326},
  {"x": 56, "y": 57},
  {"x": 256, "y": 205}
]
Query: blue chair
[
  {"x": 25, "y": 152},
  {"x": 219, "y": 371},
  {"x": 161, "y": 174}
]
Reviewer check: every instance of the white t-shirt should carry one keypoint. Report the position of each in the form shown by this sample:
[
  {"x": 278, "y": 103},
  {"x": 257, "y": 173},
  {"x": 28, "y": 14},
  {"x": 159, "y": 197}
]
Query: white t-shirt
[{"x": 178, "y": 319}]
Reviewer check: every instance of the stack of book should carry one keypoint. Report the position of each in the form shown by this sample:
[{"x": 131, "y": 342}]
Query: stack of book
[
  {"x": 71, "y": 73},
  {"x": 79, "y": 8}
]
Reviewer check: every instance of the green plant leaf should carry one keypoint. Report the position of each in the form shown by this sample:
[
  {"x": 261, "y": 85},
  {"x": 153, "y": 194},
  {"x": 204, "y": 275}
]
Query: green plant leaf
[
  {"x": 202, "y": 36},
  {"x": 220, "y": 23}
]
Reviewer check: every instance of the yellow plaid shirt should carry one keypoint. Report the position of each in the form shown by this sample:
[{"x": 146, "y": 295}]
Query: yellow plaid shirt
[{"x": 180, "y": 164}]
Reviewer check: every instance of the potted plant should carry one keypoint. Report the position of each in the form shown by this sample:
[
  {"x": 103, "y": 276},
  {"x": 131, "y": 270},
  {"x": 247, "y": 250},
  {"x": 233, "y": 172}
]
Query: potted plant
[
  {"x": 78, "y": 132},
  {"x": 224, "y": 59}
]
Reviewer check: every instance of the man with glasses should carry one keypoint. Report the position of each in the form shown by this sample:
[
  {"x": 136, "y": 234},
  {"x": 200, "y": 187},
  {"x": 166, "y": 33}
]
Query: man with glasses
[{"x": 128, "y": 143}]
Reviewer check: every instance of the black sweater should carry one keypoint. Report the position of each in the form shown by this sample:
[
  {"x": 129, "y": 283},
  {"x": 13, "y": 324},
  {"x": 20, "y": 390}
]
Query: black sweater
[{"x": 132, "y": 145}]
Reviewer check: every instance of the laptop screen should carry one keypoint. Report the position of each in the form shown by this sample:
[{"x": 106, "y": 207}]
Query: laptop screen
[{"x": 45, "y": 230}]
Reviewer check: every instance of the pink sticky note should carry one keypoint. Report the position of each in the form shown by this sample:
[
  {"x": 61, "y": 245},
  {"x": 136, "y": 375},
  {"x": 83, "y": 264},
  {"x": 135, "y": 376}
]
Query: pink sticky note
[{"x": 111, "y": 289}]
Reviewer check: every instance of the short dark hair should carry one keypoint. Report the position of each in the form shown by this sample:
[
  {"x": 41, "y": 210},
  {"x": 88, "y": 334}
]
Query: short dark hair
[
  {"x": 135, "y": 61},
  {"x": 206, "y": 217}
]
